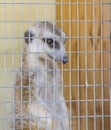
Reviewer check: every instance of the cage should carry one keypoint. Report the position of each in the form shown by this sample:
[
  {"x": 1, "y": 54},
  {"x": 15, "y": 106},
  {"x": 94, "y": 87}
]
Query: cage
[{"x": 85, "y": 78}]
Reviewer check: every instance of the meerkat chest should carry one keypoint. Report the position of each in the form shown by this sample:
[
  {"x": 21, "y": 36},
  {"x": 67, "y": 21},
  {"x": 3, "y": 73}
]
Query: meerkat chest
[
  {"x": 47, "y": 83},
  {"x": 47, "y": 77}
]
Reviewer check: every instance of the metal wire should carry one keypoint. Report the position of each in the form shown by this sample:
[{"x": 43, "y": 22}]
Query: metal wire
[{"x": 11, "y": 68}]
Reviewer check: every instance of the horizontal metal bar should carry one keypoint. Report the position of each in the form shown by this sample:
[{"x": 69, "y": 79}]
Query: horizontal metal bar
[
  {"x": 85, "y": 20},
  {"x": 56, "y": 3}
]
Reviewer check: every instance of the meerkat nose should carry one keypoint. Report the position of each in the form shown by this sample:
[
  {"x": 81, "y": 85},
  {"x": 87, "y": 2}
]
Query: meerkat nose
[{"x": 65, "y": 59}]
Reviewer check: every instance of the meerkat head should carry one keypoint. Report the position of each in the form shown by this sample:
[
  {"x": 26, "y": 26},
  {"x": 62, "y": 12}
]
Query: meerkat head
[{"x": 46, "y": 39}]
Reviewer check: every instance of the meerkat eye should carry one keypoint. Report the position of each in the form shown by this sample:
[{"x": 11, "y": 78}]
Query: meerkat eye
[{"x": 49, "y": 41}]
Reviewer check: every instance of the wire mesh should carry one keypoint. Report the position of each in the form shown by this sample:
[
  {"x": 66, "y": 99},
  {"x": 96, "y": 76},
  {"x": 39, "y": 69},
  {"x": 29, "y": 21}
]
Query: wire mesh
[{"x": 85, "y": 79}]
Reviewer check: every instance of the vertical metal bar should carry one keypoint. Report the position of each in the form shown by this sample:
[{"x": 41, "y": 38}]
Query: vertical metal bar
[
  {"x": 5, "y": 43},
  {"x": 86, "y": 53},
  {"x": 102, "y": 82},
  {"x": 109, "y": 26},
  {"x": 94, "y": 82},
  {"x": 62, "y": 67},
  {"x": 37, "y": 85},
  {"x": 29, "y": 101},
  {"x": 21, "y": 50},
  {"x": 70, "y": 74},
  {"x": 62, "y": 76},
  {"x": 54, "y": 83},
  {"x": 46, "y": 66},
  {"x": 13, "y": 56},
  {"x": 78, "y": 55},
  {"x": 61, "y": 25}
]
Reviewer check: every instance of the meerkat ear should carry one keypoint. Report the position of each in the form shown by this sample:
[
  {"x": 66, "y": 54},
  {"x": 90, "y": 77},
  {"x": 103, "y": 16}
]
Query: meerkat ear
[{"x": 28, "y": 36}]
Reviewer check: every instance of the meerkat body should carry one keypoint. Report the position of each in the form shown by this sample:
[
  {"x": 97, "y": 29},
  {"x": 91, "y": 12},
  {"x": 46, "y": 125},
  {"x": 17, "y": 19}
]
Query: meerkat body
[{"x": 39, "y": 101}]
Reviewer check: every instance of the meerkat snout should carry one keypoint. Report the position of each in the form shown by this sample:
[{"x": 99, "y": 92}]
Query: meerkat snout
[
  {"x": 65, "y": 59},
  {"x": 47, "y": 39}
]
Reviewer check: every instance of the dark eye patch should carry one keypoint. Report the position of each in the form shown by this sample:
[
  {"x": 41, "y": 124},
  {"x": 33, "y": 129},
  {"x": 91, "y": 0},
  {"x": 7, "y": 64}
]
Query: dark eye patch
[
  {"x": 57, "y": 46},
  {"x": 28, "y": 36},
  {"x": 51, "y": 43}
]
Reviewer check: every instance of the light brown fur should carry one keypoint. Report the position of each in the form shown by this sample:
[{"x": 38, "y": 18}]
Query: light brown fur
[{"x": 31, "y": 98}]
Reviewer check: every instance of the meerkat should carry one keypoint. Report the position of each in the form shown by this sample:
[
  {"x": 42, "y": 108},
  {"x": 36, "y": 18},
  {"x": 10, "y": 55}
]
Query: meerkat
[{"x": 39, "y": 100}]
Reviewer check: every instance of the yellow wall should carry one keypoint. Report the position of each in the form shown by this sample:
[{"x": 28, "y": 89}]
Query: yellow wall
[
  {"x": 19, "y": 14},
  {"x": 89, "y": 62}
]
